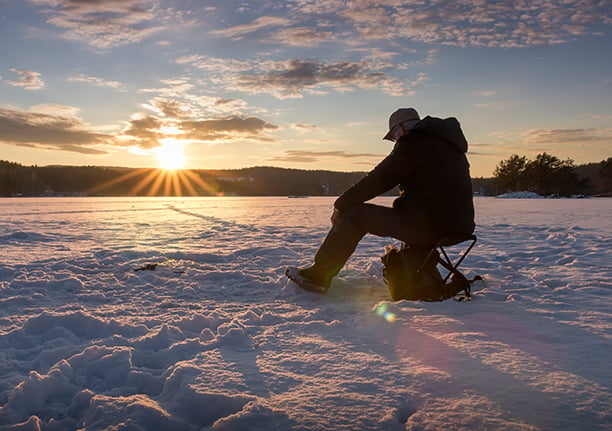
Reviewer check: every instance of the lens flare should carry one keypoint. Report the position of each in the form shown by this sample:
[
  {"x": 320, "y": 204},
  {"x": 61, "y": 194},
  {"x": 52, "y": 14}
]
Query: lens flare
[{"x": 382, "y": 311}]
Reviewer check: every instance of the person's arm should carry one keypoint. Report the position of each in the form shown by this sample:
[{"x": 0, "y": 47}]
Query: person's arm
[{"x": 382, "y": 178}]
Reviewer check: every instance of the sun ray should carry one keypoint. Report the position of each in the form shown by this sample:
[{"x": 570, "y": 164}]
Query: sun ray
[
  {"x": 144, "y": 182},
  {"x": 118, "y": 180},
  {"x": 176, "y": 185},
  {"x": 186, "y": 183},
  {"x": 157, "y": 183},
  {"x": 210, "y": 190},
  {"x": 167, "y": 185}
]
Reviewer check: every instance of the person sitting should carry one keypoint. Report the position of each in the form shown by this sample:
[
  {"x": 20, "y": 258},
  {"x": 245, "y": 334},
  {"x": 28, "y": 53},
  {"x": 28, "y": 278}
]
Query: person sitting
[{"x": 429, "y": 165}]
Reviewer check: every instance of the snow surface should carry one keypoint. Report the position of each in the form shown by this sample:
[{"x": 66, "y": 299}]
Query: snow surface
[
  {"x": 216, "y": 338},
  {"x": 532, "y": 195},
  {"x": 520, "y": 195}
]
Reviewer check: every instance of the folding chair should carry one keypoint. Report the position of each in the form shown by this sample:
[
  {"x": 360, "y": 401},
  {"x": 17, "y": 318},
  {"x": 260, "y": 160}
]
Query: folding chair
[
  {"x": 445, "y": 260},
  {"x": 449, "y": 241}
]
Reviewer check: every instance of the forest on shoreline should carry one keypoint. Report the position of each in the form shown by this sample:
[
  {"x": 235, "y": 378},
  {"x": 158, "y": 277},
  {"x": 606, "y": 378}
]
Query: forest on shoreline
[{"x": 548, "y": 175}]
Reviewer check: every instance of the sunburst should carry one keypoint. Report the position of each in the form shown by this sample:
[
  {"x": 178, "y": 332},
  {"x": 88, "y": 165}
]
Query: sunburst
[
  {"x": 160, "y": 182},
  {"x": 170, "y": 179}
]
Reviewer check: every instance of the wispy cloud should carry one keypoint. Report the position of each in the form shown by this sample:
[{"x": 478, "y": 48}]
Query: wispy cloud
[
  {"x": 181, "y": 98},
  {"x": 303, "y": 127},
  {"x": 148, "y": 131},
  {"x": 238, "y": 31},
  {"x": 578, "y": 144},
  {"x": 495, "y": 106},
  {"x": 291, "y": 78},
  {"x": 103, "y": 24},
  {"x": 565, "y": 136},
  {"x": 230, "y": 128},
  {"x": 27, "y": 79},
  {"x": 488, "y": 23},
  {"x": 302, "y": 36},
  {"x": 58, "y": 127},
  {"x": 98, "y": 82},
  {"x": 300, "y": 156},
  {"x": 553, "y": 136},
  {"x": 279, "y": 30},
  {"x": 54, "y": 129},
  {"x": 485, "y": 93},
  {"x": 294, "y": 78}
]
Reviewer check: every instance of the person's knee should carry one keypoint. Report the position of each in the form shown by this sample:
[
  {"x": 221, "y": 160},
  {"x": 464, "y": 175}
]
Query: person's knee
[{"x": 353, "y": 216}]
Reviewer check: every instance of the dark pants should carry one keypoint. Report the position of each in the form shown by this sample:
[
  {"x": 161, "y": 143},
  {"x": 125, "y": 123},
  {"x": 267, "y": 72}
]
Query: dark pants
[{"x": 409, "y": 226}]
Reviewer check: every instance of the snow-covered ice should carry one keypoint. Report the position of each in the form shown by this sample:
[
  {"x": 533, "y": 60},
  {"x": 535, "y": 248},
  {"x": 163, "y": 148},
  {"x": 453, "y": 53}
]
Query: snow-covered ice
[
  {"x": 216, "y": 338},
  {"x": 533, "y": 195}
]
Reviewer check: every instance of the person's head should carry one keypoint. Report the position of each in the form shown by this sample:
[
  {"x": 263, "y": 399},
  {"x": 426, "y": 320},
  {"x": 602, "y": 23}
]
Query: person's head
[{"x": 400, "y": 122}]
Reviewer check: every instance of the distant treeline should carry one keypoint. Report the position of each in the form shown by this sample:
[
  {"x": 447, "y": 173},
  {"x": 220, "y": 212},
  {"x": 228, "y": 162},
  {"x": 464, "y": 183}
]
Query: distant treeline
[
  {"x": 20, "y": 180},
  {"x": 549, "y": 175}
]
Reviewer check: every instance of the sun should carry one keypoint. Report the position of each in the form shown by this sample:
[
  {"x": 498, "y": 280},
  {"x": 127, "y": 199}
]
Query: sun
[
  {"x": 170, "y": 178},
  {"x": 171, "y": 155}
]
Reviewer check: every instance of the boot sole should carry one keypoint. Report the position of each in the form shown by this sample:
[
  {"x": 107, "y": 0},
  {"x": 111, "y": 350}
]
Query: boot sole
[{"x": 294, "y": 275}]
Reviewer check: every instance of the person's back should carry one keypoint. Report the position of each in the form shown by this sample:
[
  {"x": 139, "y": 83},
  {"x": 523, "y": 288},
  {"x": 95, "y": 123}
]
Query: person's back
[{"x": 436, "y": 177}]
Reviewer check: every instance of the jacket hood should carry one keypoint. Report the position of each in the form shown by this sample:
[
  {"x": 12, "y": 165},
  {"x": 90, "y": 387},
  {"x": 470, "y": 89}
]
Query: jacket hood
[{"x": 447, "y": 129}]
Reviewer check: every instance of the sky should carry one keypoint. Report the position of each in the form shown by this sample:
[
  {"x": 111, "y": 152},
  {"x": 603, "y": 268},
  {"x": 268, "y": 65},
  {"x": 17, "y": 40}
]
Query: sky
[{"x": 305, "y": 84}]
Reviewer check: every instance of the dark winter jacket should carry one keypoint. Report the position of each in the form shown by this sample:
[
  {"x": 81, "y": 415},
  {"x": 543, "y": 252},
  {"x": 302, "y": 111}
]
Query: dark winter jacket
[{"x": 431, "y": 169}]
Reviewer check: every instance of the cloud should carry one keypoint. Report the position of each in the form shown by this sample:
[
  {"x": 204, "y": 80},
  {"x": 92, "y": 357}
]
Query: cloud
[
  {"x": 146, "y": 131},
  {"x": 281, "y": 29},
  {"x": 193, "y": 117},
  {"x": 98, "y": 82},
  {"x": 484, "y": 93},
  {"x": 520, "y": 23},
  {"x": 236, "y": 32},
  {"x": 489, "y": 23},
  {"x": 143, "y": 131},
  {"x": 303, "y": 127},
  {"x": 176, "y": 98},
  {"x": 293, "y": 78},
  {"x": 489, "y": 106},
  {"x": 58, "y": 127},
  {"x": 27, "y": 79},
  {"x": 51, "y": 130},
  {"x": 300, "y": 156},
  {"x": 229, "y": 128},
  {"x": 556, "y": 136},
  {"x": 168, "y": 108},
  {"x": 578, "y": 144},
  {"x": 567, "y": 136},
  {"x": 303, "y": 36},
  {"x": 103, "y": 24}
]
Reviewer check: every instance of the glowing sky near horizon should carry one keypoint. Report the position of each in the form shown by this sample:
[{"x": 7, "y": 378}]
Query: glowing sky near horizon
[{"x": 305, "y": 84}]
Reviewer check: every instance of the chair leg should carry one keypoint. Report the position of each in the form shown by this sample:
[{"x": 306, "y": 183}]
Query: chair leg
[{"x": 448, "y": 263}]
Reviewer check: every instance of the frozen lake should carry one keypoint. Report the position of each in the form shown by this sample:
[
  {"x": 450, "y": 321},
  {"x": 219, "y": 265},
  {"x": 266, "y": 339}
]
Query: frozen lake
[{"x": 216, "y": 337}]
